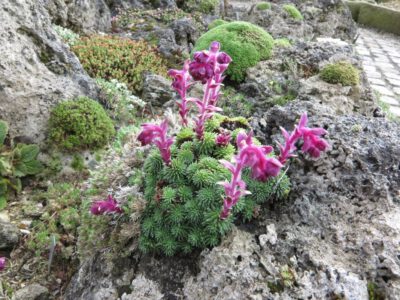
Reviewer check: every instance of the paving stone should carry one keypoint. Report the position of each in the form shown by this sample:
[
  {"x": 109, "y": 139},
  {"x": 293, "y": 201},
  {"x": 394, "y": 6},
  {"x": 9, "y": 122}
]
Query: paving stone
[
  {"x": 393, "y": 75},
  {"x": 390, "y": 100},
  {"x": 377, "y": 81},
  {"x": 386, "y": 66},
  {"x": 395, "y": 110},
  {"x": 373, "y": 74},
  {"x": 382, "y": 90},
  {"x": 369, "y": 68},
  {"x": 395, "y": 82},
  {"x": 382, "y": 59},
  {"x": 396, "y": 90}
]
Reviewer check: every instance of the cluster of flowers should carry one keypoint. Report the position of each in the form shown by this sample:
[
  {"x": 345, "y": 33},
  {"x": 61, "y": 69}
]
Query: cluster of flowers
[
  {"x": 208, "y": 67},
  {"x": 264, "y": 167}
]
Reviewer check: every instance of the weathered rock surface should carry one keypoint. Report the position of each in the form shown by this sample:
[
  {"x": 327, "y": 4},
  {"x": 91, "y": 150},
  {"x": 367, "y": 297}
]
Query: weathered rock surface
[
  {"x": 157, "y": 89},
  {"x": 32, "y": 292},
  {"x": 321, "y": 18},
  {"x": 335, "y": 235},
  {"x": 36, "y": 69},
  {"x": 81, "y": 16},
  {"x": 294, "y": 71},
  {"x": 337, "y": 231},
  {"x": 9, "y": 235}
]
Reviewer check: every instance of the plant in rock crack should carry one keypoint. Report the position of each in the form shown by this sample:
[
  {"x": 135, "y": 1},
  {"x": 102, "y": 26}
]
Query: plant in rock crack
[{"x": 213, "y": 172}]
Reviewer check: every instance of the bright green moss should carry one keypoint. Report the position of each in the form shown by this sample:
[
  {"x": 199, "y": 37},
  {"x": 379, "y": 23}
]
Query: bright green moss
[
  {"x": 293, "y": 12},
  {"x": 263, "y": 6},
  {"x": 204, "y": 6},
  {"x": 340, "y": 72},
  {"x": 284, "y": 43},
  {"x": 246, "y": 43},
  {"x": 216, "y": 23},
  {"x": 80, "y": 124}
]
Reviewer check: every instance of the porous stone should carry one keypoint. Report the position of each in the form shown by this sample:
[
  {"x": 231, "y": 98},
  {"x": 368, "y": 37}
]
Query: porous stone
[
  {"x": 157, "y": 90},
  {"x": 9, "y": 235},
  {"x": 37, "y": 69},
  {"x": 32, "y": 292}
]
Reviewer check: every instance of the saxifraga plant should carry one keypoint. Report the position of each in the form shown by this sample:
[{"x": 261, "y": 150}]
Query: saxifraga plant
[{"x": 195, "y": 185}]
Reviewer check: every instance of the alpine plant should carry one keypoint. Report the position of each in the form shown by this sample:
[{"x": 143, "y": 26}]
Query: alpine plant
[{"x": 213, "y": 172}]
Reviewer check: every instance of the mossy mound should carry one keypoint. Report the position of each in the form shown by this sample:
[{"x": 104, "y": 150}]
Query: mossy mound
[
  {"x": 246, "y": 43},
  {"x": 293, "y": 12},
  {"x": 263, "y": 6},
  {"x": 340, "y": 72},
  {"x": 216, "y": 23},
  {"x": 375, "y": 16},
  {"x": 80, "y": 124}
]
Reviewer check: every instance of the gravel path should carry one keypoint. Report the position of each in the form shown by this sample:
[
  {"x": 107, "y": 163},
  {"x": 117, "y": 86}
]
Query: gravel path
[{"x": 380, "y": 53}]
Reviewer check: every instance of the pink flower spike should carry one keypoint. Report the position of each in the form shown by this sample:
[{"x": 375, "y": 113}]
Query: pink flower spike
[
  {"x": 181, "y": 84},
  {"x": 2, "y": 263},
  {"x": 157, "y": 134},
  {"x": 108, "y": 206}
]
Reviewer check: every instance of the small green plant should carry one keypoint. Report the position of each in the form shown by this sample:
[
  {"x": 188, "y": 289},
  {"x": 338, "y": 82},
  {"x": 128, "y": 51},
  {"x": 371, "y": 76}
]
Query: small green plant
[
  {"x": 80, "y": 124},
  {"x": 245, "y": 43},
  {"x": 68, "y": 36},
  {"x": 60, "y": 220},
  {"x": 15, "y": 162},
  {"x": 263, "y": 6},
  {"x": 340, "y": 72},
  {"x": 233, "y": 102},
  {"x": 284, "y": 99},
  {"x": 293, "y": 12},
  {"x": 216, "y": 23},
  {"x": 203, "y": 6},
  {"x": 120, "y": 102},
  {"x": 284, "y": 43},
  {"x": 117, "y": 58},
  {"x": 78, "y": 163}
]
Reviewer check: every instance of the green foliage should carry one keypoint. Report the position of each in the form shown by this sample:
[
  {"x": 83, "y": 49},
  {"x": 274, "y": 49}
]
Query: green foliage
[
  {"x": 293, "y": 12},
  {"x": 120, "y": 102},
  {"x": 284, "y": 99},
  {"x": 216, "y": 23},
  {"x": 68, "y": 36},
  {"x": 80, "y": 124},
  {"x": 246, "y": 43},
  {"x": 60, "y": 220},
  {"x": 184, "y": 200},
  {"x": 117, "y": 58},
  {"x": 203, "y": 6},
  {"x": 233, "y": 102},
  {"x": 284, "y": 43},
  {"x": 78, "y": 163},
  {"x": 15, "y": 162},
  {"x": 263, "y": 6},
  {"x": 340, "y": 72}
]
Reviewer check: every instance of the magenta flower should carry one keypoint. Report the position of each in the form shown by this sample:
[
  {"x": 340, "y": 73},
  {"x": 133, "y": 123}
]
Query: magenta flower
[
  {"x": 312, "y": 143},
  {"x": 108, "y": 206},
  {"x": 2, "y": 263},
  {"x": 181, "y": 84},
  {"x": 253, "y": 156},
  {"x": 157, "y": 134},
  {"x": 223, "y": 138},
  {"x": 208, "y": 67}
]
